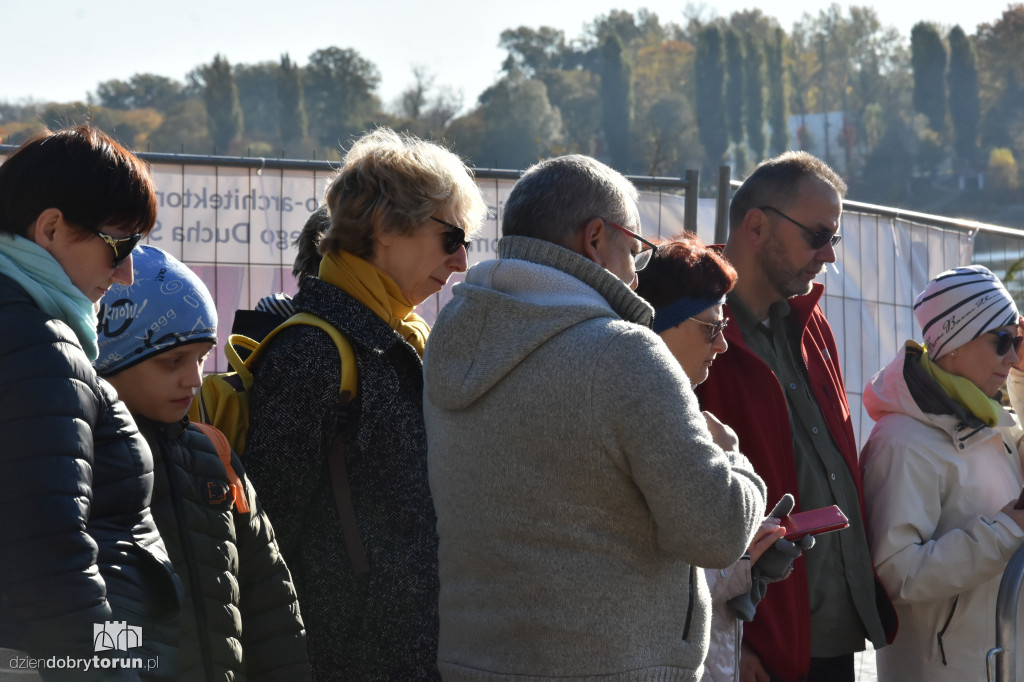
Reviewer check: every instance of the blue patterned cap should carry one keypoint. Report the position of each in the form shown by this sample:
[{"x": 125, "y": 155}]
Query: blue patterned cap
[{"x": 166, "y": 306}]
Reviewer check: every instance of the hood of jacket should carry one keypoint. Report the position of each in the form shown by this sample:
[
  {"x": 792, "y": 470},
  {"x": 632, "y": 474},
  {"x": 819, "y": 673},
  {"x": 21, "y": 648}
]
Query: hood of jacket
[
  {"x": 888, "y": 392},
  {"x": 509, "y": 307}
]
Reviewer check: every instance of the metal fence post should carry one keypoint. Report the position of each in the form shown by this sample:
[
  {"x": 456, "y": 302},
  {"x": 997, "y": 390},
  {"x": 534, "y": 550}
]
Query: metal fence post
[
  {"x": 722, "y": 206},
  {"x": 690, "y": 200},
  {"x": 1006, "y": 622}
]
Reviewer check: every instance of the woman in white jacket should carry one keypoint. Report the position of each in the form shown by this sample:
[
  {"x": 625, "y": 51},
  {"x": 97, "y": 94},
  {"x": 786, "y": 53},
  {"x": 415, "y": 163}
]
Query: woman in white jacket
[{"x": 942, "y": 474}]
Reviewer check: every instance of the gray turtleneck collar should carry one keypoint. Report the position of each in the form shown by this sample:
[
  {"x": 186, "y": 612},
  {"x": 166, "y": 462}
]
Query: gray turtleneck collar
[{"x": 620, "y": 297}]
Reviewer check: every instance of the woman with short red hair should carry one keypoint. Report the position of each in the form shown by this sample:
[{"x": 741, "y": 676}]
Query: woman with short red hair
[{"x": 686, "y": 283}]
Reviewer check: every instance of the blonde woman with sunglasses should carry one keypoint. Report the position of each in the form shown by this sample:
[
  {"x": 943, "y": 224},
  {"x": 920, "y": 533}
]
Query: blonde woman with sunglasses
[{"x": 402, "y": 211}]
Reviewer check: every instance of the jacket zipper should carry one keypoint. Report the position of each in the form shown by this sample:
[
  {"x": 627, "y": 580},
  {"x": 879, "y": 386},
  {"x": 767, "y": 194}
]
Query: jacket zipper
[
  {"x": 945, "y": 626},
  {"x": 689, "y": 605},
  {"x": 736, "y": 654},
  {"x": 195, "y": 590}
]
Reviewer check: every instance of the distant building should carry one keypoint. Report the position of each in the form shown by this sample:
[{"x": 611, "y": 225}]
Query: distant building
[{"x": 821, "y": 135}]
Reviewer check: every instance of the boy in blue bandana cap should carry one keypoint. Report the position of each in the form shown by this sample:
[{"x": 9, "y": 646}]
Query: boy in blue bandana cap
[{"x": 240, "y": 618}]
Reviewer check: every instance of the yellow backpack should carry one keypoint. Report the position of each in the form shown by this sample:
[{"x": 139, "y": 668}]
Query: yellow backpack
[{"x": 223, "y": 399}]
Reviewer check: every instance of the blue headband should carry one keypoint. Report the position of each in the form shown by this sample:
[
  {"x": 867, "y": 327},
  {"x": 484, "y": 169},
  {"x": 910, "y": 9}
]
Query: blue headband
[{"x": 680, "y": 310}]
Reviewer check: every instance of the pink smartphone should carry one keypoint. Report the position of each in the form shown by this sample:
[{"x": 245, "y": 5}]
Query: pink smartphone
[{"x": 814, "y": 522}]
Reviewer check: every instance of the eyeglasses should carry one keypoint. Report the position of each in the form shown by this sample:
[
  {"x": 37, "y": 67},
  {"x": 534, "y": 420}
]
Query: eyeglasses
[
  {"x": 1006, "y": 339},
  {"x": 122, "y": 246},
  {"x": 714, "y": 328},
  {"x": 640, "y": 258},
  {"x": 453, "y": 238},
  {"x": 818, "y": 237}
]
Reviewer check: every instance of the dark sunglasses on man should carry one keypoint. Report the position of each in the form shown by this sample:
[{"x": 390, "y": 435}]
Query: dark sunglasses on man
[
  {"x": 453, "y": 238},
  {"x": 817, "y": 239},
  {"x": 122, "y": 246}
]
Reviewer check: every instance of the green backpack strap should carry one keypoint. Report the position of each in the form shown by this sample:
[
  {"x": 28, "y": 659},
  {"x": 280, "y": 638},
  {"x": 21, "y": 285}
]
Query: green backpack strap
[{"x": 349, "y": 378}]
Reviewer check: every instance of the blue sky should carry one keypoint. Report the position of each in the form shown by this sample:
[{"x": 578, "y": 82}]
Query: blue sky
[{"x": 64, "y": 50}]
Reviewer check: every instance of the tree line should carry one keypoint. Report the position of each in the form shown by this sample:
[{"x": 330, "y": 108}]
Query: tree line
[{"x": 904, "y": 118}]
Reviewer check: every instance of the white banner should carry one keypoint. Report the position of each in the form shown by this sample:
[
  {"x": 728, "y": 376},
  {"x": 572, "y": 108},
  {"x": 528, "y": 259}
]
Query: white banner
[
  {"x": 235, "y": 227},
  {"x": 883, "y": 264}
]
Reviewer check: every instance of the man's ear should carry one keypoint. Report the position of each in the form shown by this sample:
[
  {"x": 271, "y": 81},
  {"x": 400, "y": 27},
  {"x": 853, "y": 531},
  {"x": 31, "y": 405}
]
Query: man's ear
[
  {"x": 44, "y": 230},
  {"x": 593, "y": 236},
  {"x": 755, "y": 226}
]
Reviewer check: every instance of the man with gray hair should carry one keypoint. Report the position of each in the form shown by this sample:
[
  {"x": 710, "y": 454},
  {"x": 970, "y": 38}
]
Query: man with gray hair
[{"x": 577, "y": 485}]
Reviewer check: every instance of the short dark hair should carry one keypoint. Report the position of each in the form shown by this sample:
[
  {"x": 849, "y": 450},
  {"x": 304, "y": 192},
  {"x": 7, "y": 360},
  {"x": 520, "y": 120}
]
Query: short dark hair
[
  {"x": 556, "y": 197},
  {"x": 775, "y": 182},
  {"x": 685, "y": 266},
  {"x": 307, "y": 260},
  {"x": 82, "y": 171}
]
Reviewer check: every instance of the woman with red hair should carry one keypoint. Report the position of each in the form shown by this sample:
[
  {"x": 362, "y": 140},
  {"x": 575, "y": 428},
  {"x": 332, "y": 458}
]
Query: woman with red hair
[{"x": 686, "y": 283}]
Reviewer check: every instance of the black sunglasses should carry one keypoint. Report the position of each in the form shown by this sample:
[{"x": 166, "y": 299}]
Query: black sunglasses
[
  {"x": 122, "y": 246},
  {"x": 818, "y": 237},
  {"x": 453, "y": 238},
  {"x": 1006, "y": 339},
  {"x": 640, "y": 258}
]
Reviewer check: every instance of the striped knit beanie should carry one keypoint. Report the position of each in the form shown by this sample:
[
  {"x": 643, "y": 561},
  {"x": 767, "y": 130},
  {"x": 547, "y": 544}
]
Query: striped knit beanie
[
  {"x": 165, "y": 307},
  {"x": 960, "y": 305}
]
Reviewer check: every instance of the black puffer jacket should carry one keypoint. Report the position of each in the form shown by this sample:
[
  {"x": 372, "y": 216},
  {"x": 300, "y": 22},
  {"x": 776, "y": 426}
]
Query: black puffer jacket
[
  {"x": 78, "y": 545},
  {"x": 246, "y": 625},
  {"x": 384, "y": 625}
]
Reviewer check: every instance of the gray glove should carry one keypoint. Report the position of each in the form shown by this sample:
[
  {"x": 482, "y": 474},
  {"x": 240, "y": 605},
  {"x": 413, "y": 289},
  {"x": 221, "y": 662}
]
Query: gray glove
[
  {"x": 775, "y": 564},
  {"x": 777, "y": 561},
  {"x": 744, "y": 605},
  {"x": 783, "y": 507}
]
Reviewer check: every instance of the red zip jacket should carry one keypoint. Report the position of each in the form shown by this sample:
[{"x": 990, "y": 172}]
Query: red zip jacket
[{"x": 743, "y": 392}]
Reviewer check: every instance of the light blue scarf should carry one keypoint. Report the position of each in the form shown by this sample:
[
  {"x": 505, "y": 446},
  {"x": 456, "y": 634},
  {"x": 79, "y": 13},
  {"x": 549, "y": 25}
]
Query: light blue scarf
[{"x": 39, "y": 274}]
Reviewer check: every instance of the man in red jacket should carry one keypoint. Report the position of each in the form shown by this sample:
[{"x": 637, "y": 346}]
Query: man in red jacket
[{"x": 780, "y": 388}]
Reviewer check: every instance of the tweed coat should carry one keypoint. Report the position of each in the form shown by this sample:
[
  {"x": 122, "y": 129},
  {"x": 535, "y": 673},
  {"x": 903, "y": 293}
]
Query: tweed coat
[{"x": 380, "y": 625}]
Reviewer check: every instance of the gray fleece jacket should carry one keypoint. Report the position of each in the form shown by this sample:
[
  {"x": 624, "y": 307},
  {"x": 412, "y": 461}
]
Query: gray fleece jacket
[{"x": 575, "y": 481}]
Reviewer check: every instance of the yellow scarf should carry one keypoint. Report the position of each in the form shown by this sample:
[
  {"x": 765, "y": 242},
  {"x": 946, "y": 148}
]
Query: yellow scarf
[
  {"x": 375, "y": 289},
  {"x": 963, "y": 391}
]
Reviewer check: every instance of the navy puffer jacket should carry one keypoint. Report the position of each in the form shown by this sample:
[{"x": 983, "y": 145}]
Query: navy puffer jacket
[{"x": 78, "y": 544}]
